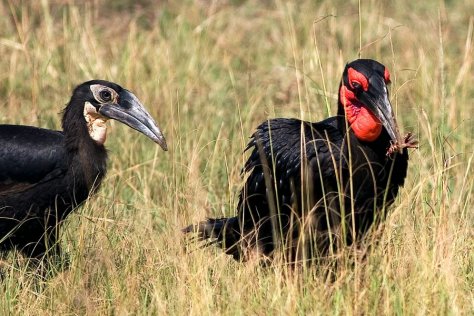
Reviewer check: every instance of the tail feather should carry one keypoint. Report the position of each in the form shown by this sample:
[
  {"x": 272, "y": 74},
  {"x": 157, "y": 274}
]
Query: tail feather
[{"x": 224, "y": 232}]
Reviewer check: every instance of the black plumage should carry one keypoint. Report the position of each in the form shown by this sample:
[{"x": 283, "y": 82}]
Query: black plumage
[
  {"x": 312, "y": 187},
  {"x": 45, "y": 174}
]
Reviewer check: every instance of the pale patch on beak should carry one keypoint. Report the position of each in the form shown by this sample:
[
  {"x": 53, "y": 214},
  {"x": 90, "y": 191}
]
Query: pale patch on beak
[{"x": 96, "y": 124}]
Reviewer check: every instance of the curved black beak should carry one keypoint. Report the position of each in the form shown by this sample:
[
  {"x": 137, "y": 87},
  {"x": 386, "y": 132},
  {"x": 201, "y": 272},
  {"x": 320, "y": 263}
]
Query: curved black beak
[
  {"x": 376, "y": 99},
  {"x": 131, "y": 112}
]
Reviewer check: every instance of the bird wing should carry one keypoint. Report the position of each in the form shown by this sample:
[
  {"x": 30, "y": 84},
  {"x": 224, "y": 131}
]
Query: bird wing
[
  {"x": 280, "y": 142},
  {"x": 279, "y": 149},
  {"x": 28, "y": 156}
]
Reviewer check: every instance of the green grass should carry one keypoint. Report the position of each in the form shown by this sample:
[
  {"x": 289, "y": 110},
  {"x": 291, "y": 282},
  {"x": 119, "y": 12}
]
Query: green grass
[{"x": 210, "y": 72}]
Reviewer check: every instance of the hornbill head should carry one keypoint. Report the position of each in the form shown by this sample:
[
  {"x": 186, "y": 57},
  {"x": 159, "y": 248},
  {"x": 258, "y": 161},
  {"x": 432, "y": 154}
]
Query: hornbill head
[
  {"x": 363, "y": 96},
  {"x": 103, "y": 100}
]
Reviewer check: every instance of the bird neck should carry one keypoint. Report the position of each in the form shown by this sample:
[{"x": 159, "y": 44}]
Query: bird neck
[
  {"x": 86, "y": 157},
  {"x": 365, "y": 125}
]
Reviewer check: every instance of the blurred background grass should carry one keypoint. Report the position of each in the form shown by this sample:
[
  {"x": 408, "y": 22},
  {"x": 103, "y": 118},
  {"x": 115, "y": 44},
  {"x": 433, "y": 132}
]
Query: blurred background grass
[{"x": 209, "y": 72}]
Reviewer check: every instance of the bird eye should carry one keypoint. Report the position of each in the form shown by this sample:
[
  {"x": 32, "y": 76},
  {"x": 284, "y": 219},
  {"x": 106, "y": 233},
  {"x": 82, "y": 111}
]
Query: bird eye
[
  {"x": 356, "y": 86},
  {"x": 105, "y": 95}
]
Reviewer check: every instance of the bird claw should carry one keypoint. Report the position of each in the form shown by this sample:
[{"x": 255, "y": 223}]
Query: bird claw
[{"x": 408, "y": 142}]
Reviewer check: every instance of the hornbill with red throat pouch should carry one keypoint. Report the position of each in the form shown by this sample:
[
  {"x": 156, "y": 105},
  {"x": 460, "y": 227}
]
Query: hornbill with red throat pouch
[
  {"x": 312, "y": 187},
  {"x": 45, "y": 174}
]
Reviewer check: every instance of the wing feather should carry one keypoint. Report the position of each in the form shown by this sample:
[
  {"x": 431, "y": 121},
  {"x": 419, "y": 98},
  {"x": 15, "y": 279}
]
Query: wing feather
[
  {"x": 28, "y": 156},
  {"x": 278, "y": 148}
]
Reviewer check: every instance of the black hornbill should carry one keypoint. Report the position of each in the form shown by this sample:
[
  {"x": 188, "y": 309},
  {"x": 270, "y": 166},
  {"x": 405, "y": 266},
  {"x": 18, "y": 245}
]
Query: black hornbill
[
  {"x": 312, "y": 187},
  {"x": 45, "y": 174}
]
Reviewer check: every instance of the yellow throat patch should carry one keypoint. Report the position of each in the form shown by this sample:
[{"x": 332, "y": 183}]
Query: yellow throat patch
[{"x": 96, "y": 124}]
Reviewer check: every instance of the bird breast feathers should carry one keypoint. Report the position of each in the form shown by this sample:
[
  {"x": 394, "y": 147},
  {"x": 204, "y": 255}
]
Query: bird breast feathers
[{"x": 96, "y": 123}]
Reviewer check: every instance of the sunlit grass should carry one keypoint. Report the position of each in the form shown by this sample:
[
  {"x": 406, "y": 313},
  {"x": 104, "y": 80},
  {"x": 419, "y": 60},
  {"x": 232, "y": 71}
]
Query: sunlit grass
[{"x": 210, "y": 73}]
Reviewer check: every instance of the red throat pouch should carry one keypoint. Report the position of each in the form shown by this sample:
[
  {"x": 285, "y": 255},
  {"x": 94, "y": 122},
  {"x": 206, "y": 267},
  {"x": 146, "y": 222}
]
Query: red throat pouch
[{"x": 366, "y": 126}]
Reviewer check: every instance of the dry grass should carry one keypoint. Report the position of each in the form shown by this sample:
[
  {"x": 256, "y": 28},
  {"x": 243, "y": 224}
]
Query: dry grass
[{"x": 210, "y": 71}]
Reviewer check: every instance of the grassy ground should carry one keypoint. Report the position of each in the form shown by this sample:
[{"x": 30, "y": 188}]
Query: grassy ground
[{"x": 209, "y": 72}]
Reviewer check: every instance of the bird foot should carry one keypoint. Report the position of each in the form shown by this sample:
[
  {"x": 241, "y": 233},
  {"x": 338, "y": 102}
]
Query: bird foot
[{"x": 408, "y": 142}]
